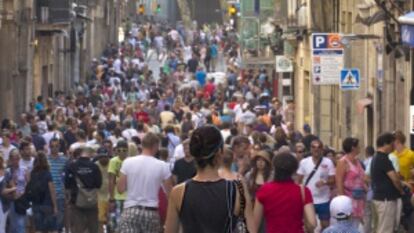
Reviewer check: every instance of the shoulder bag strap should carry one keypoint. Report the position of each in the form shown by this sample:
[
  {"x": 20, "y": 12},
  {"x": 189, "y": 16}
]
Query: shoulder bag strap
[
  {"x": 230, "y": 206},
  {"x": 313, "y": 172},
  {"x": 79, "y": 182},
  {"x": 240, "y": 188}
]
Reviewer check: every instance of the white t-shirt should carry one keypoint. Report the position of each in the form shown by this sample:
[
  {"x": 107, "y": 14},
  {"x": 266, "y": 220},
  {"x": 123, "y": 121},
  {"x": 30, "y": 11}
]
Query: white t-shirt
[
  {"x": 395, "y": 163},
  {"x": 238, "y": 111},
  {"x": 367, "y": 164},
  {"x": 179, "y": 152},
  {"x": 42, "y": 125},
  {"x": 129, "y": 133},
  {"x": 194, "y": 84},
  {"x": 115, "y": 140},
  {"x": 136, "y": 61},
  {"x": 225, "y": 133},
  {"x": 187, "y": 53},
  {"x": 117, "y": 66},
  {"x": 154, "y": 129},
  {"x": 174, "y": 35},
  {"x": 27, "y": 165},
  {"x": 145, "y": 175},
  {"x": 114, "y": 80},
  {"x": 6, "y": 151},
  {"x": 325, "y": 170},
  {"x": 76, "y": 145},
  {"x": 93, "y": 144},
  {"x": 248, "y": 117},
  {"x": 49, "y": 135},
  {"x": 159, "y": 41},
  {"x": 198, "y": 119}
]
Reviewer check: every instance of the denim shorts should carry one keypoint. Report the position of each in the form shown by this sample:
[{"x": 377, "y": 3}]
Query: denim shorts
[
  {"x": 44, "y": 219},
  {"x": 322, "y": 210}
]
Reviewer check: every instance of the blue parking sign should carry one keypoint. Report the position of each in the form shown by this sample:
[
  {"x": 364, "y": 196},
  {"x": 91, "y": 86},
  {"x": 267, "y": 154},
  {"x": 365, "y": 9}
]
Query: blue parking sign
[{"x": 350, "y": 79}]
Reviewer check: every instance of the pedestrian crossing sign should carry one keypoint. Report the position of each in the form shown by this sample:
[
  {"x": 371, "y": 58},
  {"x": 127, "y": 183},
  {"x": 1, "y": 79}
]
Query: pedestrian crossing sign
[{"x": 350, "y": 79}]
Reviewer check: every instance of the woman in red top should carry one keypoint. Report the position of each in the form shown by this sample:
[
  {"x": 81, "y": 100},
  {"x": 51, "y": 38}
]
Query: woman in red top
[{"x": 284, "y": 204}]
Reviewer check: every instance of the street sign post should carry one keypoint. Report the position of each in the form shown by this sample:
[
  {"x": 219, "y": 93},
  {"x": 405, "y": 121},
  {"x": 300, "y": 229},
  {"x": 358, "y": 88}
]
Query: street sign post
[
  {"x": 350, "y": 79},
  {"x": 327, "y": 58}
]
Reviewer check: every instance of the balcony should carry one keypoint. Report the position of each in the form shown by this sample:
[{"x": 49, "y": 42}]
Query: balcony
[{"x": 53, "y": 11}]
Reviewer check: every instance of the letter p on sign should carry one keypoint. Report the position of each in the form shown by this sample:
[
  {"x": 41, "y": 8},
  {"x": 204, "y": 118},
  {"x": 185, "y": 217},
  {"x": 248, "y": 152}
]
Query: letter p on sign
[{"x": 319, "y": 41}]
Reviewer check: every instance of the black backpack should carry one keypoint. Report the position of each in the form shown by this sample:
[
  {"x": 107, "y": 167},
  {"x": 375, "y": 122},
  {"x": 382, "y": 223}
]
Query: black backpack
[{"x": 35, "y": 190}]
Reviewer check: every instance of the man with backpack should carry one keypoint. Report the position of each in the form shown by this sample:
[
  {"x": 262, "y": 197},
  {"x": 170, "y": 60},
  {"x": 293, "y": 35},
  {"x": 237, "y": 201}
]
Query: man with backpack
[{"x": 83, "y": 179}]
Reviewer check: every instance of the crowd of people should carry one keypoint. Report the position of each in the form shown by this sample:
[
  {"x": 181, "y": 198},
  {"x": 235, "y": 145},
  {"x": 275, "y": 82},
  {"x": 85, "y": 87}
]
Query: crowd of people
[{"x": 134, "y": 150}]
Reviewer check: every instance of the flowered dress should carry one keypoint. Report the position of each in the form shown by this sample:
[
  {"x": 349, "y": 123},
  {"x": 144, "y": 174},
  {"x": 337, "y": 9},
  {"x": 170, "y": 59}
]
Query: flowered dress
[{"x": 355, "y": 188}]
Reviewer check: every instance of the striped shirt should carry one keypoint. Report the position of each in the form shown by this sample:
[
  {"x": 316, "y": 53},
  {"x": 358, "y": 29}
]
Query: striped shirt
[{"x": 57, "y": 168}]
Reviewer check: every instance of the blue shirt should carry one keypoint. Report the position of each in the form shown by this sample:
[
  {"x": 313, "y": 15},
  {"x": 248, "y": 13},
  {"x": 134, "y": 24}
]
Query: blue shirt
[
  {"x": 173, "y": 64},
  {"x": 344, "y": 226},
  {"x": 226, "y": 118},
  {"x": 232, "y": 79},
  {"x": 57, "y": 168},
  {"x": 213, "y": 50},
  {"x": 173, "y": 141},
  {"x": 201, "y": 77},
  {"x": 39, "y": 106},
  {"x": 262, "y": 78}
]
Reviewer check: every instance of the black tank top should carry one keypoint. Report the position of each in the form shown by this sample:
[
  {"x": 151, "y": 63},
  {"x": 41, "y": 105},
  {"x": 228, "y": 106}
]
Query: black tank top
[{"x": 205, "y": 208}]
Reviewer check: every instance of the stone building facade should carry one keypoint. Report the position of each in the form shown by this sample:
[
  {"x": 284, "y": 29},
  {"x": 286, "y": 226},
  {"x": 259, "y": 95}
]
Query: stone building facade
[
  {"x": 46, "y": 46},
  {"x": 383, "y": 99}
]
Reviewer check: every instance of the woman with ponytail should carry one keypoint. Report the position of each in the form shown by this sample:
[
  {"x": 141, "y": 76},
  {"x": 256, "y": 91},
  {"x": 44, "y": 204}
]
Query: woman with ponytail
[{"x": 206, "y": 203}]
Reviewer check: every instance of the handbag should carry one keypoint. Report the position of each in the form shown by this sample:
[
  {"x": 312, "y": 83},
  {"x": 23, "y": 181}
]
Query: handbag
[
  {"x": 358, "y": 193},
  {"x": 21, "y": 204},
  {"x": 241, "y": 226}
]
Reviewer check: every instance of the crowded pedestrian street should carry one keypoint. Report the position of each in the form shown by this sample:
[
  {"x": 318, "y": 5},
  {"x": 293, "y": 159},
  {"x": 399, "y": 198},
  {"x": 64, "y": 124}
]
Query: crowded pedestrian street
[{"x": 218, "y": 116}]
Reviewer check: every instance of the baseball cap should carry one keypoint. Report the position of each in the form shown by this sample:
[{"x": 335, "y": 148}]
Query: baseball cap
[
  {"x": 102, "y": 151},
  {"x": 341, "y": 207}
]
